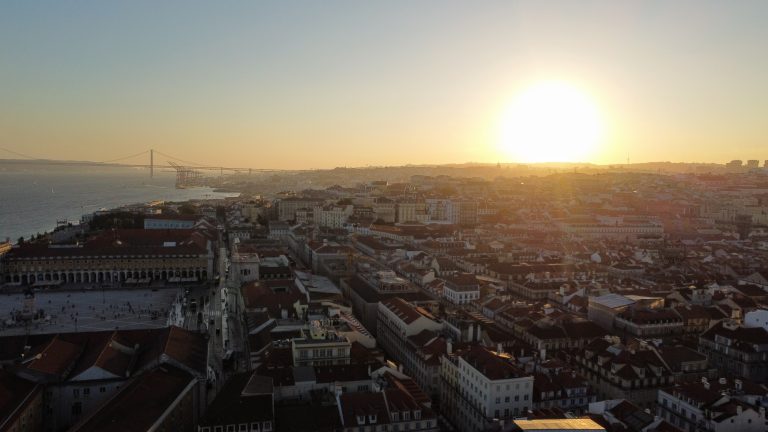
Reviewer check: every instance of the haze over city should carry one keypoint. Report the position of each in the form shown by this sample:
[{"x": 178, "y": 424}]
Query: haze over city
[
  {"x": 325, "y": 84},
  {"x": 358, "y": 216}
]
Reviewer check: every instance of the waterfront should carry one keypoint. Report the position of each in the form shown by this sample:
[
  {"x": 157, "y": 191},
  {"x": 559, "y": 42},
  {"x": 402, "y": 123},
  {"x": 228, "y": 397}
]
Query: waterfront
[{"x": 34, "y": 197}]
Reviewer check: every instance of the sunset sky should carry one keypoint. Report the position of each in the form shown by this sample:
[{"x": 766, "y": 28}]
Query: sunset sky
[{"x": 319, "y": 84}]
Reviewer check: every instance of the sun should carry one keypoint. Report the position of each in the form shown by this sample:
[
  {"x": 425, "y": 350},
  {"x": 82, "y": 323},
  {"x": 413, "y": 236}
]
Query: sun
[{"x": 551, "y": 121}]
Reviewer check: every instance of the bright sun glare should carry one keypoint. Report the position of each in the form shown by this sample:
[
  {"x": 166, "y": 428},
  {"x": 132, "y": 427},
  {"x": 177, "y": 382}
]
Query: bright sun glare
[{"x": 551, "y": 122}]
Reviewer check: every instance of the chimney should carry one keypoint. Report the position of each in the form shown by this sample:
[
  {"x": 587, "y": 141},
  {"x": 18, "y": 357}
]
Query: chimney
[
  {"x": 499, "y": 348},
  {"x": 737, "y": 384},
  {"x": 738, "y": 409},
  {"x": 448, "y": 347}
]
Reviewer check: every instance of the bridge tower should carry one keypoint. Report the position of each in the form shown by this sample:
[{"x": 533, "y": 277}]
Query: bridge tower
[{"x": 151, "y": 163}]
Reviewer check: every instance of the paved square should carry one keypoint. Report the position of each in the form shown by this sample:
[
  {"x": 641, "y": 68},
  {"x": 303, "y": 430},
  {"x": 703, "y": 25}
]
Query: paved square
[{"x": 90, "y": 310}]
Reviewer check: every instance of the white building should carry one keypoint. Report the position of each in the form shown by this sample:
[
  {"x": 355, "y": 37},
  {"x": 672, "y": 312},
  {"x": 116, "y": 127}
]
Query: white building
[
  {"x": 332, "y": 216},
  {"x": 481, "y": 387},
  {"x": 461, "y": 289},
  {"x": 399, "y": 324}
]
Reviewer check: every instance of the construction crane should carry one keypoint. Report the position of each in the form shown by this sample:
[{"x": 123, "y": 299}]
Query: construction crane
[{"x": 185, "y": 176}]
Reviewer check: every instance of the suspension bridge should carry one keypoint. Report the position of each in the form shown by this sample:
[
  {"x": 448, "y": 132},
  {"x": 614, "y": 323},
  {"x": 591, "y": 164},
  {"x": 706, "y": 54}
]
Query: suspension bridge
[{"x": 188, "y": 173}]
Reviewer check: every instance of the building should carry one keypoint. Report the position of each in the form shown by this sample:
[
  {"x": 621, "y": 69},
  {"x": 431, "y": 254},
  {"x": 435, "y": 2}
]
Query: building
[
  {"x": 409, "y": 334},
  {"x": 365, "y": 291},
  {"x": 287, "y": 207},
  {"x": 717, "y": 406},
  {"x": 558, "y": 388},
  {"x": 21, "y": 404},
  {"x": 616, "y": 371},
  {"x": 244, "y": 404},
  {"x": 80, "y": 372},
  {"x": 604, "y": 309},
  {"x": 737, "y": 350},
  {"x": 625, "y": 229},
  {"x": 461, "y": 289},
  {"x": 164, "y": 222},
  {"x": 649, "y": 323},
  {"x": 394, "y": 408},
  {"x": 320, "y": 346},
  {"x": 481, "y": 387},
  {"x": 332, "y": 216},
  {"x": 119, "y": 256},
  {"x": 163, "y": 399}
]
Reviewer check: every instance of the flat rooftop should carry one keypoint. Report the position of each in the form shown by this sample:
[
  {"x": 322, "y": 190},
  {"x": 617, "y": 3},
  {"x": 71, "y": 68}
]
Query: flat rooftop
[{"x": 557, "y": 425}]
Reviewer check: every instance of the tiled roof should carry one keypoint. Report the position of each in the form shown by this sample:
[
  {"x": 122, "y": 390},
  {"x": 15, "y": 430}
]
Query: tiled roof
[
  {"x": 402, "y": 309},
  {"x": 139, "y": 404}
]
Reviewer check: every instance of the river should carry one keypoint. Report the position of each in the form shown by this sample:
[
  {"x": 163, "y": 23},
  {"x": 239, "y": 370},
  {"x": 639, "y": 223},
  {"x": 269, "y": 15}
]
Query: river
[{"x": 33, "y": 197}]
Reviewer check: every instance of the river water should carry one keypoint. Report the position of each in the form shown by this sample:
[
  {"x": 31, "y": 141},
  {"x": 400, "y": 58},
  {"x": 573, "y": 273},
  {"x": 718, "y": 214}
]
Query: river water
[{"x": 34, "y": 197}]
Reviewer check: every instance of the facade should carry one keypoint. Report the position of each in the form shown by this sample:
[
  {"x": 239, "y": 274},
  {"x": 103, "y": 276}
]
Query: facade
[
  {"x": 719, "y": 406},
  {"x": 80, "y": 372},
  {"x": 481, "y": 387},
  {"x": 286, "y": 208},
  {"x": 736, "y": 350},
  {"x": 649, "y": 323},
  {"x": 21, "y": 404},
  {"x": 120, "y": 256},
  {"x": 332, "y": 216},
  {"x": 618, "y": 372},
  {"x": 365, "y": 291},
  {"x": 163, "y": 399},
  {"x": 170, "y": 222},
  {"x": 461, "y": 289},
  {"x": 244, "y": 404},
  {"x": 623, "y": 230},
  {"x": 409, "y": 335},
  {"x": 392, "y": 409},
  {"x": 320, "y": 346}
]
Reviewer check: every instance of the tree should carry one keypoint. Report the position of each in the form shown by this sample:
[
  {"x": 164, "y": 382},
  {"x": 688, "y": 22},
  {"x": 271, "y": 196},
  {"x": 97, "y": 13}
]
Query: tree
[
  {"x": 20, "y": 240},
  {"x": 187, "y": 209}
]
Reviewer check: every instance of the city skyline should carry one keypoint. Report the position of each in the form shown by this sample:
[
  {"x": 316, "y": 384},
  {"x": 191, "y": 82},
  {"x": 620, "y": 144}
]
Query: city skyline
[{"x": 343, "y": 84}]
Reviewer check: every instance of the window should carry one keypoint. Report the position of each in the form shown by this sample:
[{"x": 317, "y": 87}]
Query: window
[
  {"x": 86, "y": 392},
  {"x": 77, "y": 408},
  {"x": 102, "y": 389},
  {"x": 243, "y": 427},
  {"x": 230, "y": 428},
  {"x": 506, "y": 399},
  {"x": 267, "y": 426},
  {"x": 218, "y": 428},
  {"x": 254, "y": 427},
  {"x": 76, "y": 393}
]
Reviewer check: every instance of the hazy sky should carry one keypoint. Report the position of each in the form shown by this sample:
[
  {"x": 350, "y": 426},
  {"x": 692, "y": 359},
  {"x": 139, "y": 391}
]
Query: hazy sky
[{"x": 331, "y": 83}]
